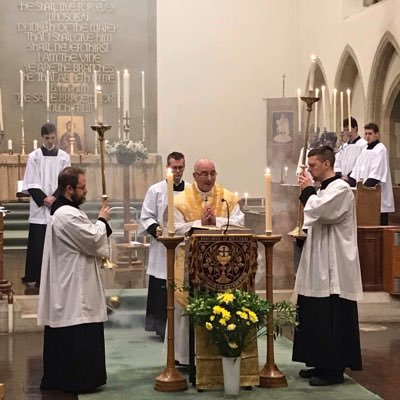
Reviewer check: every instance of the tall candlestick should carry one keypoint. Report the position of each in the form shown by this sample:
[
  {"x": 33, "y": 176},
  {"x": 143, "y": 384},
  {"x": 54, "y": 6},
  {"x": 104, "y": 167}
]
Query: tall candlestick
[
  {"x": 316, "y": 112},
  {"x": 21, "y": 88},
  {"x": 341, "y": 111},
  {"x": 349, "y": 107},
  {"x": 95, "y": 90},
  {"x": 118, "y": 91},
  {"x": 312, "y": 73},
  {"x": 126, "y": 94},
  {"x": 170, "y": 197},
  {"x": 299, "y": 108},
  {"x": 47, "y": 89},
  {"x": 99, "y": 96},
  {"x": 334, "y": 109},
  {"x": 1, "y": 114},
  {"x": 268, "y": 205},
  {"x": 35, "y": 143},
  {"x": 323, "y": 107},
  {"x": 143, "y": 92},
  {"x": 9, "y": 144}
]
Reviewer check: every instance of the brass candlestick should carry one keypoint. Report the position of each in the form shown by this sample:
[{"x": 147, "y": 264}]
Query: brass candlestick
[
  {"x": 298, "y": 232},
  {"x": 101, "y": 129},
  {"x": 170, "y": 380},
  {"x": 270, "y": 376}
]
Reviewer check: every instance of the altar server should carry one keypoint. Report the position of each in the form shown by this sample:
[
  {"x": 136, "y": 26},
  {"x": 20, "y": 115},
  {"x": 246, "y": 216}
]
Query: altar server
[
  {"x": 152, "y": 216},
  {"x": 40, "y": 181},
  {"x": 72, "y": 303},
  {"x": 328, "y": 280},
  {"x": 372, "y": 167},
  {"x": 348, "y": 154}
]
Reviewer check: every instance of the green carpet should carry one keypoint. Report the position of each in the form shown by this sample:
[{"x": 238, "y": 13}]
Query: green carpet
[{"x": 135, "y": 358}]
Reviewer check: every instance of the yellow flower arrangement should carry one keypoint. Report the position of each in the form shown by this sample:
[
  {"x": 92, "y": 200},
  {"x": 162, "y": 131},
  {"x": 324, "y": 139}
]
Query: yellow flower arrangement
[{"x": 234, "y": 318}]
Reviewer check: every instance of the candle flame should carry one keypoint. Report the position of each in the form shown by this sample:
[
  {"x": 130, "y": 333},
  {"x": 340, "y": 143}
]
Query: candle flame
[
  {"x": 313, "y": 58},
  {"x": 169, "y": 171},
  {"x": 246, "y": 195},
  {"x": 335, "y": 90},
  {"x": 348, "y": 91},
  {"x": 98, "y": 88},
  {"x": 298, "y": 92},
  {"x": 267, "y": 171}
]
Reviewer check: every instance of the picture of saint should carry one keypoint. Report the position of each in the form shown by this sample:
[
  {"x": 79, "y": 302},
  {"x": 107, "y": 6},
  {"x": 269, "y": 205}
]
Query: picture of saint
[
  {"x": 70, "y": 133},
  {"x": 282, "y": 127}
]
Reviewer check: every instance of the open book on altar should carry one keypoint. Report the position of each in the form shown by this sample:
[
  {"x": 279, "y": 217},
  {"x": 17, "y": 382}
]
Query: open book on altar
[{"x": 217, "y": 230}]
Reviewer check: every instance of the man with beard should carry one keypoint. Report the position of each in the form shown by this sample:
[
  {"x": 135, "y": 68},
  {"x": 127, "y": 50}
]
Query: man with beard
[{"x": 72, "y": 304}]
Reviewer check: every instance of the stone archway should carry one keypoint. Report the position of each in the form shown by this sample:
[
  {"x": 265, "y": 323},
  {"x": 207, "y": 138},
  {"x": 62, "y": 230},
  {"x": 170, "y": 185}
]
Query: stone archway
[
  {"x": 387, "y": 48},
  {"x": 348, "y": 76}
]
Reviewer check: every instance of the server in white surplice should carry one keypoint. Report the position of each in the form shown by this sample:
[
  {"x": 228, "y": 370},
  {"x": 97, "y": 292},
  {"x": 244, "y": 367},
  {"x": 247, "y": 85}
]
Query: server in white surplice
[
  {"x": 372, "y": 167},
  {"x": 151, "y": 217},
  {"x": 328, "y": 280},
  {"x": 40, "y": 181},
  {"x": 72, "y": 304}
]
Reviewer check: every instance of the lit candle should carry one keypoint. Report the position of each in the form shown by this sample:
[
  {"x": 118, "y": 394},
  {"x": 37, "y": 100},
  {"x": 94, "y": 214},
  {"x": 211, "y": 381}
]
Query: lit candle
[
  {"x": 126, "y": 94},
  {"x": 99, "y": 96},
  {"x": 316, "y": 111},
  {"x": 47, "y": 89},
  {"x": 341, "y": 111},
  {"x": 34, "y": 144},
  {"x": 323, "y": 107},
  {"x": 118, "y": 91},
  {"x": 21, "y": 88},
  {"x": 286, "y": 170},
  {"x": 1, "y": 115},
  {"x": 95, "y": 90},
  {"x": 299, "y": 108},
  {"x": 312, "y": 73},
  {"x": 170, "y": 191},
  {"x": 236, "y": 194},
  {"x": 143, "y": 92},
  {"x": 348, "y": 107},
  {"x": 246, "y": 195},
  {"x": 268, "y": 205},
  {"x": 9, "y": 144},
  {"x": 334, "y": 109}
]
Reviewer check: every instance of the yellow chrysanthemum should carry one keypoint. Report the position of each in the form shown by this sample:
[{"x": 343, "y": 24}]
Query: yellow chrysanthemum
[
  {"x": 209, "y": 326},
  {"x": 226, "y": 314},
  {"x": 231, "y": 327},
  {"x": 212, "y": 317},
  {"x": 242, "y": 314},
  {"x": 253, "y": 317},
  {"x": 222, "y": 321},
  {"x": 217, "y": 310},
  {"x": 225, "y": 298},
  {"x": 232, "y": 345}
]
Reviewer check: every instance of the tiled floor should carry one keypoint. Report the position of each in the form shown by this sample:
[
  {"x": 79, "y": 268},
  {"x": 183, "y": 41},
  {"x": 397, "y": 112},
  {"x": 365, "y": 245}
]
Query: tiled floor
[{"x": 21, "y": 367}]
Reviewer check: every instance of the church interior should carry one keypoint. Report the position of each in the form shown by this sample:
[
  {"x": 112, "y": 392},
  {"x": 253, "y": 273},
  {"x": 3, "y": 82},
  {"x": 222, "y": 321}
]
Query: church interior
[{"x": 225, "y": 81}]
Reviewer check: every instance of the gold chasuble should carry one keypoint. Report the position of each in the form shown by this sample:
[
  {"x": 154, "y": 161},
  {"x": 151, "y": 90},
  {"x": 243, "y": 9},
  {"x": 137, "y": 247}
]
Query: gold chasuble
[{"x": 191, "y": 202}]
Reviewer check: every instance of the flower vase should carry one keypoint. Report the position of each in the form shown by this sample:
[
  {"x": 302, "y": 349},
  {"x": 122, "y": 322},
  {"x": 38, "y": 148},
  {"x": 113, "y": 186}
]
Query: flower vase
[{"x": 231, "y": 372}]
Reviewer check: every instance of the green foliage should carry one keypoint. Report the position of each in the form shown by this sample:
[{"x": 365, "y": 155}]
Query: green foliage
[{"x": 232, "y": 317}]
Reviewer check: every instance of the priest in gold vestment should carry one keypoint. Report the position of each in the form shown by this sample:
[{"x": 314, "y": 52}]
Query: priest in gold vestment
[{"x": 201, "y": 204}]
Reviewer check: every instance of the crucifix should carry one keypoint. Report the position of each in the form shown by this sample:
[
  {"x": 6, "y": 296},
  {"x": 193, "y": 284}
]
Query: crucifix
[{"x": 283, "y": 84}]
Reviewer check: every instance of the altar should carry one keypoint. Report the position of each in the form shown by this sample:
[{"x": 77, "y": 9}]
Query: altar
[{"x": 12, "y": 169}]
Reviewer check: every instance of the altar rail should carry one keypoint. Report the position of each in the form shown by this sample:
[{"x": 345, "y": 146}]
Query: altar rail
[{"x": 12, "y": 169}]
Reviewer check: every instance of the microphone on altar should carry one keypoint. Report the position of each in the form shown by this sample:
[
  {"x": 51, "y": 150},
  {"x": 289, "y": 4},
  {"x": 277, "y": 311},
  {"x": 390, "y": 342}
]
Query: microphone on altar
[{"x": 227, "y": 209}]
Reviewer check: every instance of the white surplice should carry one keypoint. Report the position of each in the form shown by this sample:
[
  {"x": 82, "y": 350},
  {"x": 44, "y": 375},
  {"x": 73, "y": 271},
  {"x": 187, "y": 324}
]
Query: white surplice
[
  {"x": 71, "y": 291},
  {"x": 346, "y": 157},
  {"x": 374, "y": 163},
  {"x": 42, "y": 173},
  {"x": 329, "y": 261},
  {"x": 153, "y": 209}
]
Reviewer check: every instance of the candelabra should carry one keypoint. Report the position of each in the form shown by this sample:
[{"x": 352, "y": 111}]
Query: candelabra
[{"x": 298, "y": 232}]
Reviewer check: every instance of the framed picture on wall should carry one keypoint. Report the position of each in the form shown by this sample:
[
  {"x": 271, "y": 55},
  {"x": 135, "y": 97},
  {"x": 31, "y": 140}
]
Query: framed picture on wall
[
  {"x": 283, "y": 138},
  {"x": 70, "y": 129}
]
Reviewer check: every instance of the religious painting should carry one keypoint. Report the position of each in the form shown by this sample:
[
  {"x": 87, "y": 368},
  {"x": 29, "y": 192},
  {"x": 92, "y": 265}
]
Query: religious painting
[
  {"x": 283, "y": 138},
  {"x": 71, "y": 134}
]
